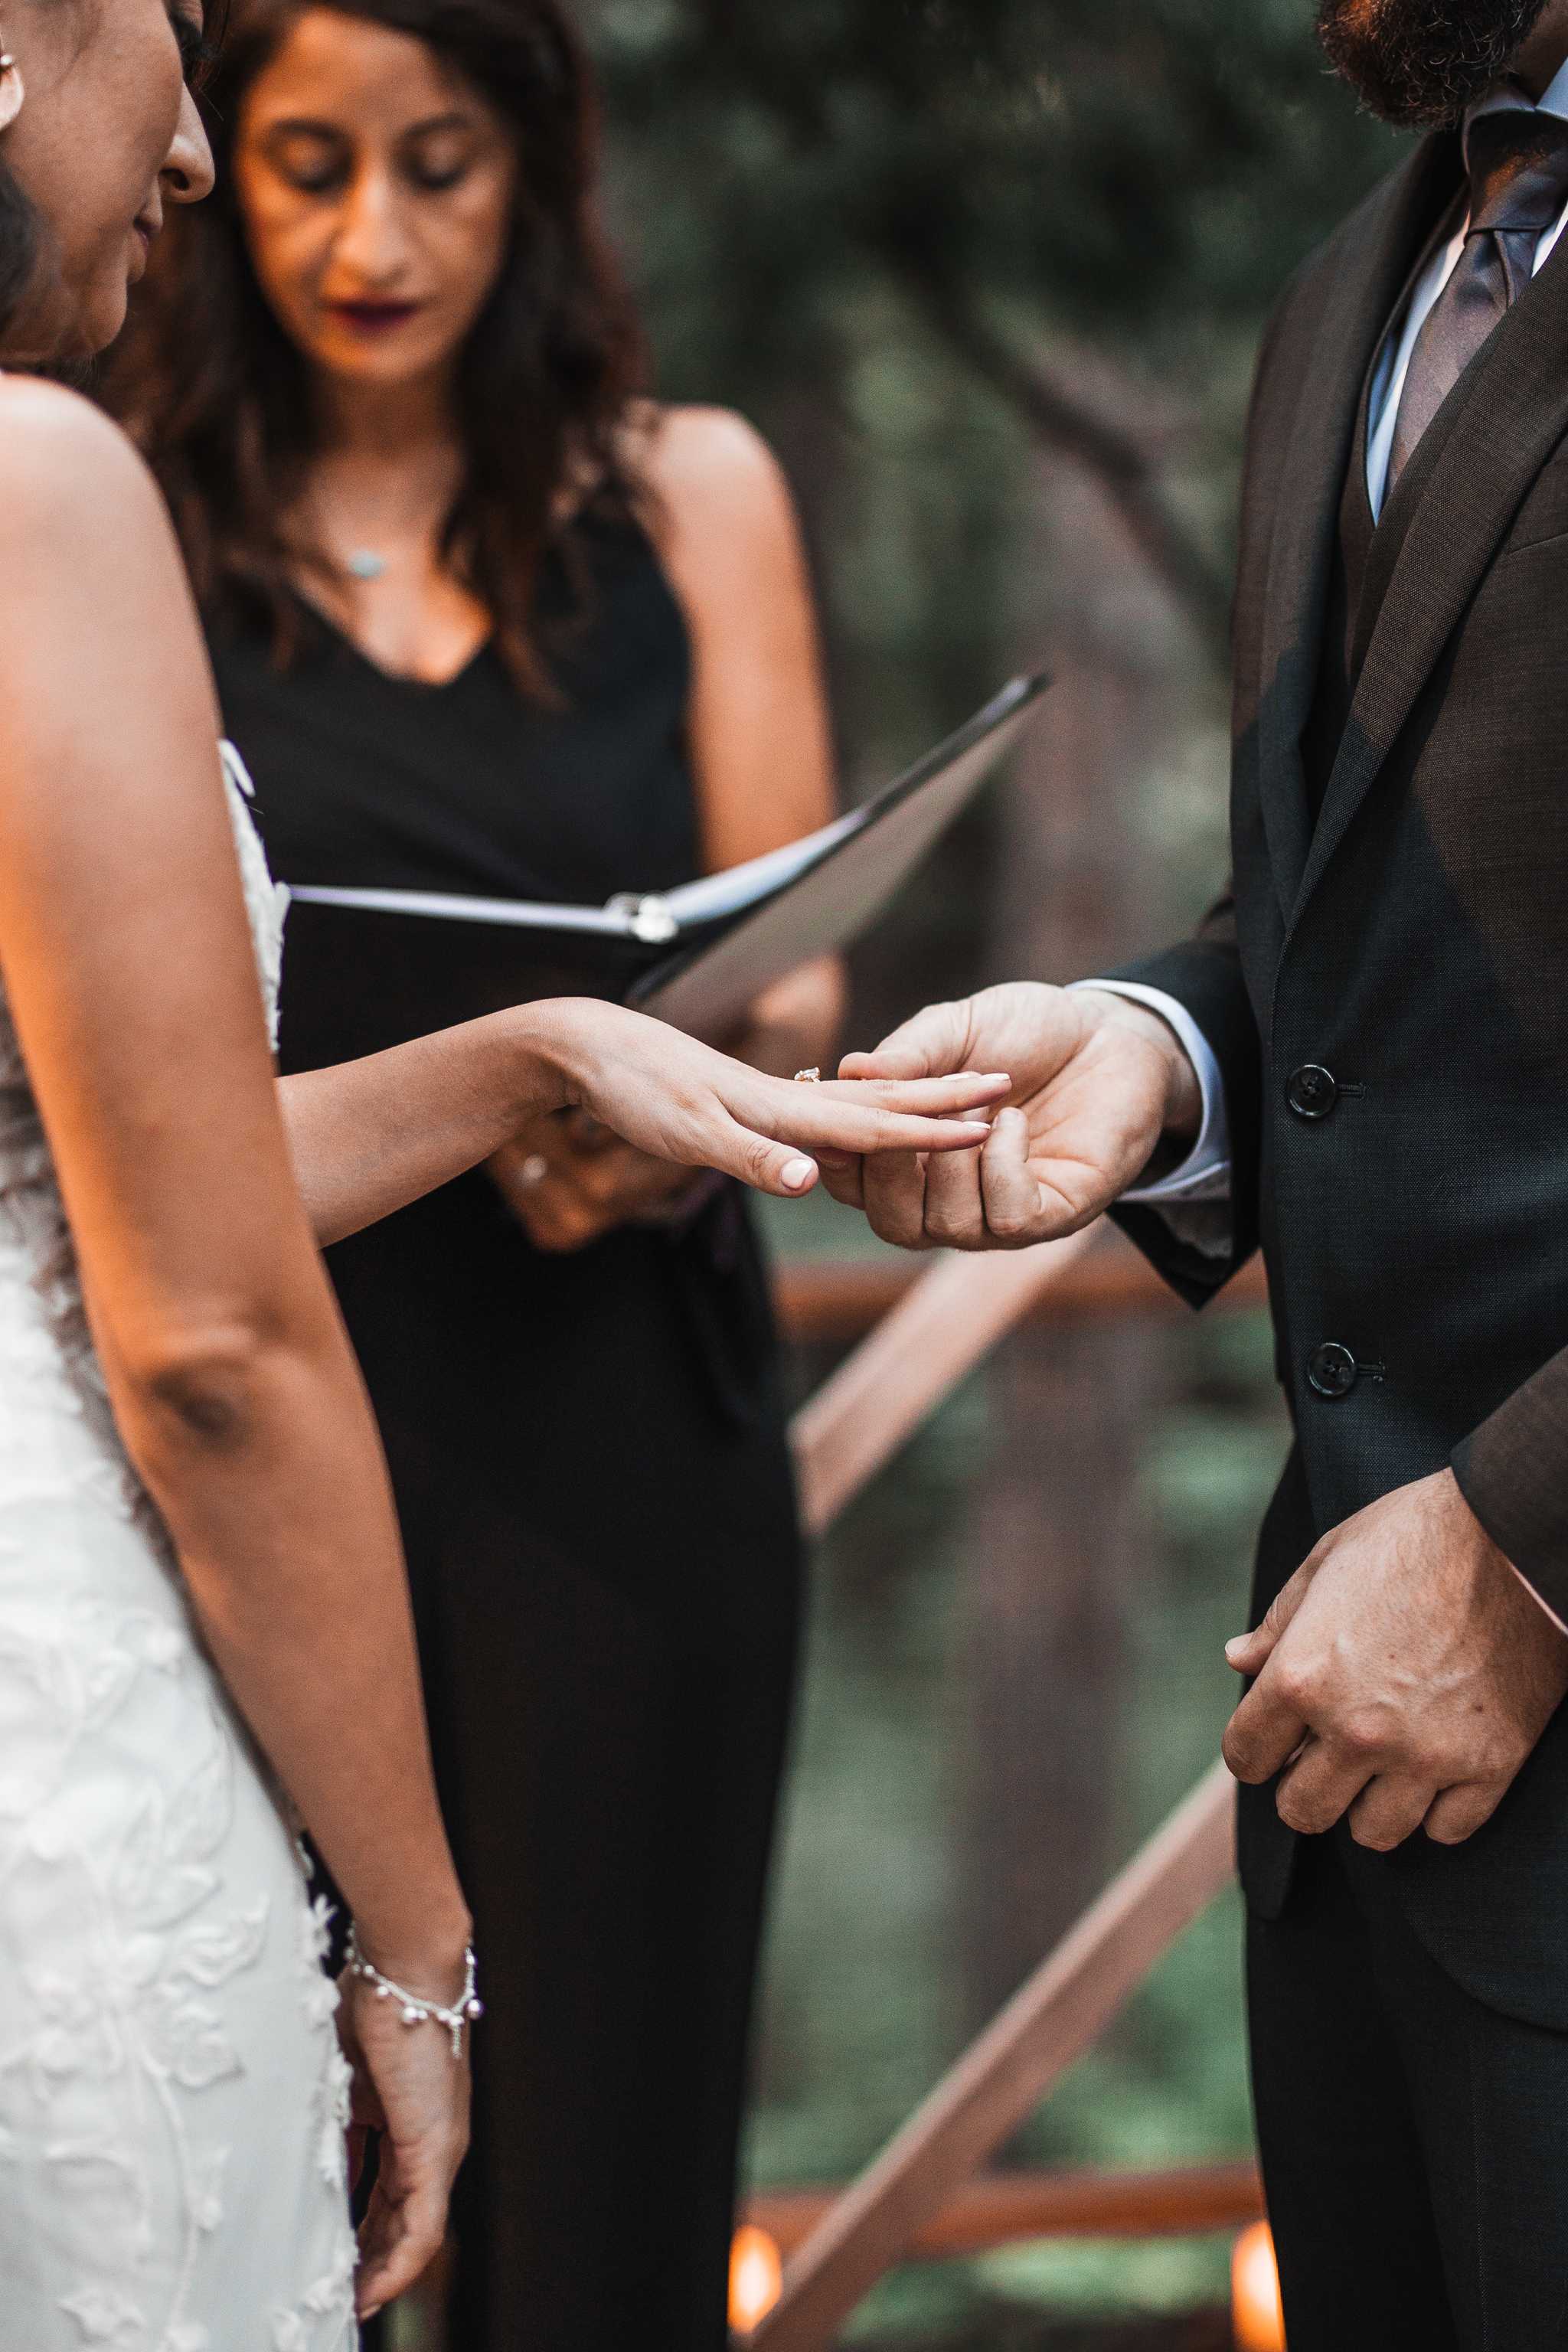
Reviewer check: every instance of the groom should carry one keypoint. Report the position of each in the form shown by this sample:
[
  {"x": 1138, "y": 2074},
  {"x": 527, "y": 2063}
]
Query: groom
[{"x": 1361, "y": 1062}]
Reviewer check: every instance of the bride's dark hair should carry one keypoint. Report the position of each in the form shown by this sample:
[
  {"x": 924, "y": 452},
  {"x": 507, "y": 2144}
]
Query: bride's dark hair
[
  {"x": 20, "y": 245},
  {"x": 218, "y": 396}
]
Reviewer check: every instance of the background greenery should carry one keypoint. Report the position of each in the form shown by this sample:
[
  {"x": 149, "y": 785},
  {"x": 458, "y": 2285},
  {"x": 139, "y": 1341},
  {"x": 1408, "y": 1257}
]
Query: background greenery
[{"x": 989, "y": 273}]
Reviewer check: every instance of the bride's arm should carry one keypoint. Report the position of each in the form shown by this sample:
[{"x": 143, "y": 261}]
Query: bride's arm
[
  {"x": 369, "y": 1136},
  {"x": 128, "y": 968}
]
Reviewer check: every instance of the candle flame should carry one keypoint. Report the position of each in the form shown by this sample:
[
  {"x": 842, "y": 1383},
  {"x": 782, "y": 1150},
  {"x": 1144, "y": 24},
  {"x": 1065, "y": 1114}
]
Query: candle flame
[
  {"x": 756, "y": 2278},
  {"x": 1254, "y": 2292}
]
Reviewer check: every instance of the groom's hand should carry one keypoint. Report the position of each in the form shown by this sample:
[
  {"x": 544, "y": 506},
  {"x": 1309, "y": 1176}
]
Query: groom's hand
[
  {"x": 1404, "y": 1675},
  {"x": 1100, "y": 1085}
]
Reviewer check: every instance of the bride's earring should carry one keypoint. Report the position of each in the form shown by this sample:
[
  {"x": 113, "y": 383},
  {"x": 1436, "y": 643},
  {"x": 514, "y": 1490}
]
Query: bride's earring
[{"x": 12, "y": 93}]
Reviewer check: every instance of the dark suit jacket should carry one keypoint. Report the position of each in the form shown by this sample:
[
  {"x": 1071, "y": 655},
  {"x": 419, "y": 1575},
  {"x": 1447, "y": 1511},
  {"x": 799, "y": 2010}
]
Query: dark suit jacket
[{"x": 1414, "y": 944}]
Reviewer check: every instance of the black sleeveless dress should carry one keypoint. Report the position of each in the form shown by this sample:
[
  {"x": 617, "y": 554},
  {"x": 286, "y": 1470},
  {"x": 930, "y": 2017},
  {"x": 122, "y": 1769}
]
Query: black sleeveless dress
[{"x": 590, "y": 1469}]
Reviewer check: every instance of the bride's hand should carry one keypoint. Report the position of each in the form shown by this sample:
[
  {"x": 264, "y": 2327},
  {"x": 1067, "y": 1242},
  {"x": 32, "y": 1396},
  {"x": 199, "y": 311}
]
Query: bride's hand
[
  {"x": 682, "y": 1101},
  {"x": 408, "y": 2088}
]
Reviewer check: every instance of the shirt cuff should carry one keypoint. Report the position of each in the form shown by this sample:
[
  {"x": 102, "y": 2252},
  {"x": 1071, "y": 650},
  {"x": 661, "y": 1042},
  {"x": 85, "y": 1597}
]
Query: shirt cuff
[{"x": 1205, "y": 1173}]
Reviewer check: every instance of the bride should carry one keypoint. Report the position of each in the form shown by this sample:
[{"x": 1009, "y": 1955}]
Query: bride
[{"x": 202, "y": 1602}]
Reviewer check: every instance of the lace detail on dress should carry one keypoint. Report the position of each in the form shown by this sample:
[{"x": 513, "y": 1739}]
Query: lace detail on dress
[{"x": 172, "y": 2090}]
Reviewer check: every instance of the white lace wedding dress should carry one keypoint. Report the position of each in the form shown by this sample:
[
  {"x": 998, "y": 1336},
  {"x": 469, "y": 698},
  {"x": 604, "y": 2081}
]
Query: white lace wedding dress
[{"x": 171, "y": 2095}]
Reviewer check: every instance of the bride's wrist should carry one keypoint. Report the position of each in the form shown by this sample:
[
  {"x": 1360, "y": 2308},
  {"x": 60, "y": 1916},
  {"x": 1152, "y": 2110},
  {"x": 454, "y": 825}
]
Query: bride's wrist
[
  {"x": 431, "y": 1965},
  {"x": 553, "y": 1039}
]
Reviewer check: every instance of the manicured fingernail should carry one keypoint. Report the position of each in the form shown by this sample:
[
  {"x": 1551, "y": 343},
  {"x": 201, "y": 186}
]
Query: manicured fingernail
[{"x": 799, "y": 1175}]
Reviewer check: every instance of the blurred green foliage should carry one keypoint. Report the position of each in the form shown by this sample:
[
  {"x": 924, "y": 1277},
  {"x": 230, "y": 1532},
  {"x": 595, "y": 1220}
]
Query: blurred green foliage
[
  {"x": 1141, "y": 173},
  {"x": 940, "y": 228}
]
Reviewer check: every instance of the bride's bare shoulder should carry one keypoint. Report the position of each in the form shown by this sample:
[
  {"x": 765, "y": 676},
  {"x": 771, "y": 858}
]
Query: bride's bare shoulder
[{"x": 68, "y": 476}]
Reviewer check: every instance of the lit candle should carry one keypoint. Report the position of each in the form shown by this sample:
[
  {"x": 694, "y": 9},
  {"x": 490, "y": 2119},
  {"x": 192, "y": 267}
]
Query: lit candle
[
  {"x": 756, "y": 2278},
  {"x": 1254, "y": 2292}
]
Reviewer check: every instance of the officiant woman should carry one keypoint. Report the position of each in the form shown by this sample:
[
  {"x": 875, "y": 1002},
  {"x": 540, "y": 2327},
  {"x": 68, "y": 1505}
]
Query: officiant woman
[{"x": 487, "y": 621}]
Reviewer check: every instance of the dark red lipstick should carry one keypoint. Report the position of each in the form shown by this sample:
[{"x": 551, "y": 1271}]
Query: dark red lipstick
[{"x": 373, "y": 318}]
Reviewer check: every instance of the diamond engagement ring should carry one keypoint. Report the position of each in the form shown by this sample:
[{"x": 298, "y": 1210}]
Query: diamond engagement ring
[
  {"x": 808, "y": 1077},
  {"x": 534, "y": 1169}
]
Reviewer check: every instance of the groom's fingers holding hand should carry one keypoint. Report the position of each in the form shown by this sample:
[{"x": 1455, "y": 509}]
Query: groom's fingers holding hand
[
  {"x": 954, "y": 1205},
  {"x": 843, "y": 1178},
  {"x": 992, "y": 1199},
  {"x": 1015, "y": 1210},
  {"x": 891, "y": 1191},
  {"x": 894, "y": 1184},
  {"x": 980, "y": 1199}
]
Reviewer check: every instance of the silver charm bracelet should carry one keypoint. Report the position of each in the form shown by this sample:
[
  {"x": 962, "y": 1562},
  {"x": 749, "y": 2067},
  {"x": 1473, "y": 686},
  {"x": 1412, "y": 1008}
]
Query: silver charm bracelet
[{"x": 415, "y": 2011}]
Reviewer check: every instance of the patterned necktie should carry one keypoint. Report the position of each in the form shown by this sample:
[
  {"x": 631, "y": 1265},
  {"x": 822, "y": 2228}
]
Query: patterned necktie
[{"x": 1518, "y": 166}]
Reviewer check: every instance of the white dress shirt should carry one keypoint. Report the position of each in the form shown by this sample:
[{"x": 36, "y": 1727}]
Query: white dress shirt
[{"x": 1190, "y": 1196}]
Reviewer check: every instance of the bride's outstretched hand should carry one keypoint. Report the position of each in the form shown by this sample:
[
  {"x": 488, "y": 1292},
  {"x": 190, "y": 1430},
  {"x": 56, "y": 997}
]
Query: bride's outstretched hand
[{"x": 684, "y": 1102}]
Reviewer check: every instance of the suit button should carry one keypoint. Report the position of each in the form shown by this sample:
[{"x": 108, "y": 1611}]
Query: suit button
[
  {"x": 1311, "y": 1092},
  {"x": 1331, "y": 1369}
]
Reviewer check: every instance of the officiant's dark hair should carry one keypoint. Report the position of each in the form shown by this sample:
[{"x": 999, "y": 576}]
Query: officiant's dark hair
[{"x": 217, "y": 395}]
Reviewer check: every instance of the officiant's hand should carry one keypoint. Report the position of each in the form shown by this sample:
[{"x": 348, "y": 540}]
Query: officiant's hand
[
  {"x": 569, "y": 1181},
  {"x": 1101, "y": 1085},
  {"x": 1404, "y": 1675}
]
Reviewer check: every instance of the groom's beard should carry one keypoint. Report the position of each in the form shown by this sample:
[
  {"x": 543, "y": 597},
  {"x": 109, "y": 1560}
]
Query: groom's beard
[{"x": 1423, "y": 61}]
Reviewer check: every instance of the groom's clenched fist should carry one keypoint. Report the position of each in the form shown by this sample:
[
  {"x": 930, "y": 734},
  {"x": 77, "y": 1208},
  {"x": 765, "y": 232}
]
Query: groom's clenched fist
[{"x": 1102, "y": 1089}]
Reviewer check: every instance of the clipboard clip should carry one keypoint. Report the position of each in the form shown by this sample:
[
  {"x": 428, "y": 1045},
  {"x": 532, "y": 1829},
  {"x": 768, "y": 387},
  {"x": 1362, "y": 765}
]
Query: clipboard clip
[{"x": 649, "y": 919}]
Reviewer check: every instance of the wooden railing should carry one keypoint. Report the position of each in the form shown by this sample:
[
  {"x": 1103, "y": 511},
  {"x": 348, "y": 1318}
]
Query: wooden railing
[
  {"x": 831, "y": 1301},
  {"x": 927, "y": 1329},
  {"x": 1005, "y": 2208}
]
